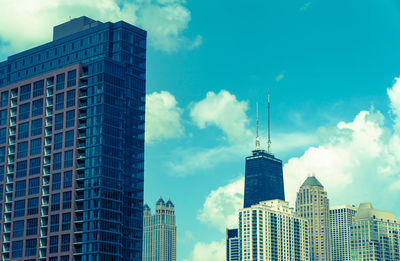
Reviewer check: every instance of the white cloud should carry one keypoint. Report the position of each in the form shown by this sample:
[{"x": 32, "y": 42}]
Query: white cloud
[
  {"x": 355, "y": 161},
  {"x": 305, "y": 6},
  {"x": 279, "y": 77},
  {"x": 163, "y": 117},
  {"x": 214, "y": 251},
  {"x": 221, "y": 206},
  {"x": 29, "y": 22},
  {"x": 224, "y": 111}
]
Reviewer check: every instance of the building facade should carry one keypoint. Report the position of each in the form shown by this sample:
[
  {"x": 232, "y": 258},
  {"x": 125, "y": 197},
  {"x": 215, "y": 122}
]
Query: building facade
[
  {"x": 312, "y": 204},
  {"x": 341, "y": 218},
  {"x": 263, "y": 178},
  {"x": 271, "y": 230},
  {"x": 159, "y": 232},
  {"x": 72, "y": 145},
  {"x": 232, "y": 245},
  {"x": 375, "y": 235}
]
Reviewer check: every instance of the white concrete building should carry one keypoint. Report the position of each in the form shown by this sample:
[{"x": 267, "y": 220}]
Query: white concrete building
[
  {"x": 271, "y": 230},
  {"x": 159, "y": 232},
  {"x": 340, "y": 221}
]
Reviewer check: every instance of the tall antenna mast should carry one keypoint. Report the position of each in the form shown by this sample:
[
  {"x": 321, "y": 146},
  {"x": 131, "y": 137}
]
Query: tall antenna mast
[
  {"x": 257, "y": 137},
  {"x": 269, "y": 126}
]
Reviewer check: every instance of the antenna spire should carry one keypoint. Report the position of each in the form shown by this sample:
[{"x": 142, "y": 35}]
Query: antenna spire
[
  {"x": 257, "y": 137},
  {"x": 269, "y": 126}
]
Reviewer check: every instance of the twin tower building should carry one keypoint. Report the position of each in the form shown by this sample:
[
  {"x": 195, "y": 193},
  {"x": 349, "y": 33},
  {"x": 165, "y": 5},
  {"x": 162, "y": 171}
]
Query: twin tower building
[{"x": 268, "y": 228}]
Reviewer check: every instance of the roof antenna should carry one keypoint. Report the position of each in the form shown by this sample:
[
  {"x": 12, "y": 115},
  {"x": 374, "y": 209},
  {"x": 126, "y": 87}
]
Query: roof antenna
[
  {"x": 269, "y": 126},
  {"x": 257, "y": 137}
]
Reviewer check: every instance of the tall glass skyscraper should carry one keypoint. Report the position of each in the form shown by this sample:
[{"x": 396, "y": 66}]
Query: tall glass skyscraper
[{"x": 72, "y": 145}]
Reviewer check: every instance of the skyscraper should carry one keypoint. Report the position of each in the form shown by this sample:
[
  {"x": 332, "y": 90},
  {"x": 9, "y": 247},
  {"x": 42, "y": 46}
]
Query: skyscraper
[
  {"x": 271, "y": 230},
  {"x": 72, "y": 144},
  {"x": 312, "y": 203},
  {"x": 263, "y": 174},
  {"x": 232, "y": 245},
  {"x": 375, "y": 235},
  {"x": 159, "y": 232},
  {"x": 341, "y": 218}
]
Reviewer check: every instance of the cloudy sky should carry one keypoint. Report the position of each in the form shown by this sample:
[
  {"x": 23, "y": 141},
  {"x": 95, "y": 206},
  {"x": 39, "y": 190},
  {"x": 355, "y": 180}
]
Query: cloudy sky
[{"x": 331, "y": 67}]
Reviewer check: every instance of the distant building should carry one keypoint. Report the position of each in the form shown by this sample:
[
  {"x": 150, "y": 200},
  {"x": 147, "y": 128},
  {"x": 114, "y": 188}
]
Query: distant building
[
  {"x": 159, "y": 232},
  {"x": 271, "y": 230},
  {"x": 232, "y": 245},
  {"x": 375, "y": 235},
  {"x": 341, "y": 218},
  {"x": 312, "y": 203},
  {"x": 263, "y": 174}
]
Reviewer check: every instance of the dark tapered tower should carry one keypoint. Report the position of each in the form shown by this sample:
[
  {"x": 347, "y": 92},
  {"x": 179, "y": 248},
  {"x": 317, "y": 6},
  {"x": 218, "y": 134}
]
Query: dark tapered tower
[{"x": 263, "y": 176}]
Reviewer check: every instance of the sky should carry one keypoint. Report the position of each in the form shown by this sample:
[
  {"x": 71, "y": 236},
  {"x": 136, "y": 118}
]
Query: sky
[{"x": 331, "y": 68}]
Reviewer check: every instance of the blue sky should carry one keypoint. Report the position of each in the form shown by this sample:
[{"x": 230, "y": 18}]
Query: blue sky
[{"x": 331, "y": 68}]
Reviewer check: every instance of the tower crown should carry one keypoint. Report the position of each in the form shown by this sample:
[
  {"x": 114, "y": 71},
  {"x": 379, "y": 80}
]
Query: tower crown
[{"x": 312, "y": 181}]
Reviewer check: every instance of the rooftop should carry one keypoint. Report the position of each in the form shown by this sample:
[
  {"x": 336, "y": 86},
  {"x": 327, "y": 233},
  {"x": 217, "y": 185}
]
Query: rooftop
[{"x": 312, "y": 181}]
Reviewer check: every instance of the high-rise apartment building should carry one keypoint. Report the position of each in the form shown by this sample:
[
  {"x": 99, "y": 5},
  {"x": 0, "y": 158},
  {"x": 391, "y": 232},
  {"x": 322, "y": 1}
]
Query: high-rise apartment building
[
  {"x": 375, "y": 235},
  {"x": 72, "y": 145},
  {"x": 159, "y": 232},
  {"x": 341, "y": 218},
  {"x": 232, "y": 245},
  {"x": 312, "y": 203},
  {"x": 263, "y": 174},
  {"x": 271, "y": 230}
]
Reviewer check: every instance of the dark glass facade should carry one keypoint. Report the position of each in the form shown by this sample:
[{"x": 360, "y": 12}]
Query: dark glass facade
[
  {"x": 263, "y": 178},
  {"x": 72, "y": 145}
]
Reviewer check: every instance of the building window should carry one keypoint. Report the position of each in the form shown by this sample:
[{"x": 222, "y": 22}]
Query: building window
[
  {"x": 53, "y": 244},
  {"x": 64, "y": 258},
  {"x": 17, "y": 249},
  {"x": 25, "y": 93},
  {"x": 70, "y": 98},
  {"x": 18, "y": 228},
  {"x": 65, "y": 243},
  {"x": 31, "y": 227},
  {"x": 37, "y": 127},
  {"x": 66, "y": 221},
  {"x": 38, "y": 88},
  {"x": 22, "y": 150},
  {"x": 57, "y": 161},
  {"x": 67, "y": 197},
  {"x": 3, "y": 135},
  {"x": 20, "y": 188},
  {"x": 23, "y": 130},
  {"x": 33, "y": 206},
  {"x": 19, "y": 208},
  {"x": 55, "y": 202},
  {"x": 30, "y": 248},
  {"x": 3, "y": 117},
  {"x": 21, "y": 168},
  {"x": 59, "y": 121},
  {"x": 71, "y": 78},
  {"x": 70, "y": 121},
  {"x": 1, "y": 180},
  {"x": 24, "y": 111},
  {"x": 68, "y": 156},
  {"x": 34, "y": 186},
  {"x": 2, "y": 154},
  {"x": 68, "y": 179},
  {"x": 4, "y": 99},
  {"x": 37, "y": 107},
  {"x": 69, "y": 138},
  {"x": 34, "y": 166},
  {"x": 56, "y": 182},
  {"x": 36, "y": 146},
  {"x": 54, "y": 223},
  {"x": 60, "y": 80},
  {"x": 58, "y": 140},
  {"x": 60, "y": 101}
]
